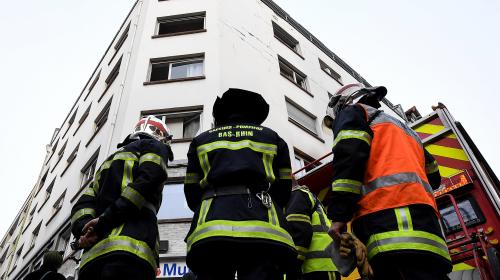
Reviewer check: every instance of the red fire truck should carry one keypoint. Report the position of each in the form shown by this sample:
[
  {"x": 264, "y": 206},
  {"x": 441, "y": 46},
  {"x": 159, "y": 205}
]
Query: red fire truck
[{"x": 468, "y": 199}]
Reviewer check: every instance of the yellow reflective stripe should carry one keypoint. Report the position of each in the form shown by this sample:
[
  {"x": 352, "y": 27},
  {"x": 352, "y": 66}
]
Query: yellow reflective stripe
[
  {"x": 431, "y": 167},
  {"x": 120, "y": 243},
  {"x": 134, "y": 196},
  {"x": 406, "y": 240},
  {"x": 205, "y": 206},
  {"x": 240, "y": 229},
  {"x": 154, "y": 158},
  {"x": 447, "y": 152},
  {"x": 127, "y": 173},
  {"x": 301, "y": 249},
  {"x": 404, "y": 218},
  {"x": 192, "y": 178},
  {"x": 285, "y": 173},
  {"x": 353, "y": 134},
  {"x": 255, "y": 146},
  {"x": 273, "y": 216},
  {"x": 298, "y": 218},
  {"x": 205, "y": 167},
  {"x": 89, "y": 191},
  {"x": 267, "y": 160},
  {"x": 125, "y": 156},
  {"x": 82, "y": 212},
  {"x": 408, "y": 217},
  {"x": 301, "y": 257},
  {"x": 347, "y": 185}
]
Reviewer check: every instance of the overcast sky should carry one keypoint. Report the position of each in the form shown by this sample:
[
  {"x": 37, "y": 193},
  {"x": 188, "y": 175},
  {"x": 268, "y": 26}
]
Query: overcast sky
[{"x": 423, "y": 51}]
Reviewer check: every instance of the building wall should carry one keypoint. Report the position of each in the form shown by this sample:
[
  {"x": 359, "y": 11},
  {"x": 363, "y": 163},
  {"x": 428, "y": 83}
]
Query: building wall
[{"x": 240, "y": 50}]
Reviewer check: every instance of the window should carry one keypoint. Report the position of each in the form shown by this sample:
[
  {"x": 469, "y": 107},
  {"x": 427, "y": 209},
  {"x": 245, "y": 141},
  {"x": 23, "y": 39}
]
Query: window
[
  {"x": 177, "y": 68},
  {"x": 300, "y": 117},
  {"x": 17, "y": 257},
  {"x": 112, "y": 76},
  {"x": 42, "y": 181},
  {"x": 73, "y": 154},
  {"x": 184, "y": 123},
  {"x": 301, "y": 160},
  {"x": 30, "y": 217},
  {"x": 92, "y": 85},
  {"x": 102, "y": 117},
  {"x": 63, "y": 242},
  {"x": 123, "y": 37},
  {"x": 58, "y": 204},
  {"x": 181, "y": 24},
  {"x": 70, "y": 122},
  {"x": 88, "y": 170},
  {"x": 83, "y": 118},
  {"x": 53, "y": 150},
  {"x": 328, "y": 70},
  {"x": 174, "y": 205},
  {"x": 48, "y": 192},
  {"x": 286, "y": 39},
  {"x": 60, "y": 154},
  {"x": 293, "y": 74},
  {"x": 34, "y": 236}
]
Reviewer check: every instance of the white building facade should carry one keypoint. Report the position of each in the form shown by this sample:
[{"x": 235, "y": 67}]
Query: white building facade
[{"x": 172, "y": 59}]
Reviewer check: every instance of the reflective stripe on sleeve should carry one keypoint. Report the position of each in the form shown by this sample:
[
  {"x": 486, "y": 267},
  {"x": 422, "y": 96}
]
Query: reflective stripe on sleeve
[
  {"x": 431, "y": 167},
  {"x": 192, "y": 178},
  {"x": 134, "y": 196},
  {"x": 285, "y": 173},
  {"x": 127, "y": 173},
  {"x": 353, "y": 134},
  {"x": 298, "y": 218},
  {"x": 347, "y": 185},
  {"x": 82, "y": 212},
  {"x": 89, "y": 191}
]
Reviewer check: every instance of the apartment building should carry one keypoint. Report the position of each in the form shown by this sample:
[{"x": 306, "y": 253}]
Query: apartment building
[{"x": 172, "y": 58}]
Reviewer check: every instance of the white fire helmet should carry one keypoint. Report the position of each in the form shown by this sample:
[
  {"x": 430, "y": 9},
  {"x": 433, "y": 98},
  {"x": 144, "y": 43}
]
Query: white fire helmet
[
  {"x": 348, "y": 95},
  {"x": 154, "y": 127}
]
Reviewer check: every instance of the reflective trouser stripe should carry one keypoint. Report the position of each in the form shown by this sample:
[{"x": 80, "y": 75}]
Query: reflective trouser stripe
[
  {"x": 120, "y": 243},
  {"x": 240, "y": 229},
  {"x": 205, "y": 206},
  {"x": 192, "y": 178},
  {"x": 154, "y": 158},
  {"x": 353, "y": 134},
  {"x": 395, "y": 179},
  {"x": 298, "y": 218},
  {"x": 406, "y": 240},
  {"x": 285, "y": 173},
  {"x": 404, "y": 218},
  {"x": 347, "y": 185},
  {"x": 431, "y": 167},
  {"x": 82, "y": 212},
  {"x": 134, "y": 196}
]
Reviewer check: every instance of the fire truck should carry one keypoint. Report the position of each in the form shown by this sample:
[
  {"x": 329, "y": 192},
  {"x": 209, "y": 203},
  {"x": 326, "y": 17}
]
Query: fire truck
[{"x": 468, "y": 198}]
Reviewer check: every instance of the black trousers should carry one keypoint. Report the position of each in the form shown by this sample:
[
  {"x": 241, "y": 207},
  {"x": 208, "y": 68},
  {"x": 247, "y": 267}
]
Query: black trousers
[
  {"x": 321, "y": 275},
  {"x": 114, "y": 267},
  {"x": 408, "y": 267},
  {"x": 223, "y": 262}
]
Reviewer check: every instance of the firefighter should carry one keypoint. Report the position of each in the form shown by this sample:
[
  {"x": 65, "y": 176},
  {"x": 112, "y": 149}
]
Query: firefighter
[
  {"x": 115, "y": 218},
  {"x": 383, "y": 180},
  {"x": 308, "y": 225},
  {"x": 238, "y": 181}
]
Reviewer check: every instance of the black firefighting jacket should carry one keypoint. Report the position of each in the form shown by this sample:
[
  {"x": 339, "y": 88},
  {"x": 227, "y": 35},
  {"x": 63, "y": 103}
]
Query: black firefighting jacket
[
  {"x": 125, "y": 194},
  {"x": 227, "y": 167}
]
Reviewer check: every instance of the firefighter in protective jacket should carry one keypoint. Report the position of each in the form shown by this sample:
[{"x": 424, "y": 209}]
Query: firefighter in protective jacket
[
  {"x": 115, "y": 218},
  {"x": 309, "y": 226},
  {"x": 238, "y": 181},
  {"x": 383, "y": 180}
]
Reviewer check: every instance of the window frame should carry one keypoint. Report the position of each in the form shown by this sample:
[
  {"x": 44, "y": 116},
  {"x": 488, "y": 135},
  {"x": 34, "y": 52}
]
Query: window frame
[
  {"x": 85, "y": 181},
  {"x": 71, "y": 158},
  {"x": 332, "y": 73},
  {"x": 304, "y": 85},
  {"x": 177, "y": 18},
  {"x": 34, "y": 235},
  {"x": 120, "y": 42},
  {"x": 48, "y": 193},
  {"x": 92, "y": 85},
  {"x": 60, "y": 155},
  {"x": 113, "y": 74},
  {"x": 181, "y": 112},
  {"x": 287, "y": 39},
  {"x": 315, "y": 134},
  {"x": 56, "y": 207},
  {"x": 100, "y": 120},
  {"x": 83, "y": 118},
  {"x": 173, "y": 60}
]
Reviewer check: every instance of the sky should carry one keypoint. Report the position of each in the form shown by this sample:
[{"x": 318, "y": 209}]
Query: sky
[{"x": 423, "y": 51}]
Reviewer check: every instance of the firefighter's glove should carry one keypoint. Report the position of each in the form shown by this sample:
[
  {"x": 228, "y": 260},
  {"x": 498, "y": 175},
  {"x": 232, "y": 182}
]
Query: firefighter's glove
[{"x": 349, "y": 243}]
